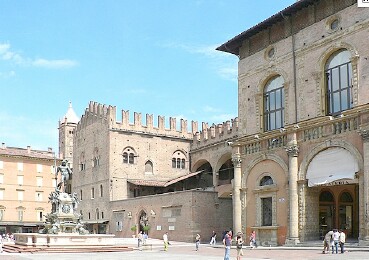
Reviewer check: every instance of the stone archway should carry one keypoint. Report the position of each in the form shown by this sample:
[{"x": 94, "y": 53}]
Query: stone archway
[{"x": 143, "y": 222}]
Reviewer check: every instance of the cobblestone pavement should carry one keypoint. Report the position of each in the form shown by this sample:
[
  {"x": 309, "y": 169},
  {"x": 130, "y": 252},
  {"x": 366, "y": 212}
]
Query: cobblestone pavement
[{"x": 179, "y": 251}]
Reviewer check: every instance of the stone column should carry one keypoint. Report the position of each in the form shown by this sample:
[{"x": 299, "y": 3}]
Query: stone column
[
  {"x": 236, "y": 193},
  {"x": 364, "y": 203},
  {"x": 293, "y": 228},
  {"x": 215, "y": 178}
]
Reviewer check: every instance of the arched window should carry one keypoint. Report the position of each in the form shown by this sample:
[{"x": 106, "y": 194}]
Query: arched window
[
  {"x": 274, "y": 104},
  {"x": 266, "y": 180},
  {"x": 346, "y": 197},
  {"x": 129, "y": 155},
  {"x": 326, "y": 196},
  {"x": 131, "y": 158},
  {"x": 179, "y": 160},
  {"x": 338, "y": 73},
  {"x": 148, "y": 167},
  {"x": 125, "y": 157},
  {"x": 96, "y": 158},
  {"x": 82, "y": 162},
  {"x": 183, "y": 163}
]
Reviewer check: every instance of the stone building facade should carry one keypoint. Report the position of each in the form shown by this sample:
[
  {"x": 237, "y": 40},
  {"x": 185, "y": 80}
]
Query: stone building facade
[
  {"x": 121, "y": 167},
  {"x": 27, "y": 177},
  {"x": 302, "y": 147}
]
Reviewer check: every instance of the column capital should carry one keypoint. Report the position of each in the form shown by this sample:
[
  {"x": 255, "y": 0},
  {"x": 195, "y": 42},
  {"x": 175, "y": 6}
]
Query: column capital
[
  {"x": 292, "y": 150},
  {"x": 236, "y": 161}
]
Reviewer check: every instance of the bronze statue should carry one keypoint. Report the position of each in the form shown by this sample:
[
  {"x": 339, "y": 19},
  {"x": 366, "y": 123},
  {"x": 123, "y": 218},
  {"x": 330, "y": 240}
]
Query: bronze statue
[{"x": 65, "y": 173}]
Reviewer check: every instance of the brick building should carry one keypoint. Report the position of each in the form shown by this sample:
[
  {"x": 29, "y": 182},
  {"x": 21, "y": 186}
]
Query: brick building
[
  {"x": 128, "y": 174},
  {"x": 26, "y": 180},
  {"x": 302, "y": 147}
]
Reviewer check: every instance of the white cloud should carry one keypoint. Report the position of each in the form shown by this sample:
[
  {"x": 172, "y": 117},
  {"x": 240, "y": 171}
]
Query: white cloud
[
  {"x": 224, "y": 63},
  {"x": 8, "y": 74},
  {"x": 230, "y": 73},
  {"x": 210, "y": 109},
  {"x": 7, "y": 54},
  {"x": 54, "y": 64},
  {"x": 207, "y": 50}
]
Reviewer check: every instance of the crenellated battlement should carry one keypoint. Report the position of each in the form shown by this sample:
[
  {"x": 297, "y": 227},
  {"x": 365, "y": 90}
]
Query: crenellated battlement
[
  {"x": 107, "y": 113},
  {"x": 215, "y": 133}
]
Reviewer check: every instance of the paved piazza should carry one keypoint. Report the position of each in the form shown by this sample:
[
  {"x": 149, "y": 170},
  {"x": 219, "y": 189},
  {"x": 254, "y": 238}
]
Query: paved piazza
[{"x": 179, "y": 251}]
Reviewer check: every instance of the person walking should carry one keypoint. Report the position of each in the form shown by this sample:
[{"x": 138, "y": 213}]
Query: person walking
[
  {"x": 213, "y": 238},
  {"x": 253, "y": 239},
  {"x": 197, "y": 241},
  {"x": 239, "y": 244},
  {"x": 139, "y": 240},
  {"x": 342, "y": 241},
  {"x": 166, "y": 241},
  {"x": 227, "y": 241}
]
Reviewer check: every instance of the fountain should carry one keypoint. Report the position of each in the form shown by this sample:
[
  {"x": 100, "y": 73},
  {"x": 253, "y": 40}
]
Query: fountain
[{"x": 63, "y": 226}]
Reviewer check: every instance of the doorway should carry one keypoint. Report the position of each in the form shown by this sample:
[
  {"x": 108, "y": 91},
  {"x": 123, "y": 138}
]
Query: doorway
[{"x": 337, "y": 209}]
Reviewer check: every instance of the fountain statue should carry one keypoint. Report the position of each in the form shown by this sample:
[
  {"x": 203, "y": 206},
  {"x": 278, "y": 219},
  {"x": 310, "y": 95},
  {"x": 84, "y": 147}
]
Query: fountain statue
[
  {"x": 63, "y": 226},
  {"x": 63, "y": 217}
]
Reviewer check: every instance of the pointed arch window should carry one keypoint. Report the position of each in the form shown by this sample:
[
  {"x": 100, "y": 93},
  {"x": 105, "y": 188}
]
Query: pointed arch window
[
  {"x": 338, "y": 73},
  {"x": 149, "y": 167},
  {"x": 274, "y": 104}
]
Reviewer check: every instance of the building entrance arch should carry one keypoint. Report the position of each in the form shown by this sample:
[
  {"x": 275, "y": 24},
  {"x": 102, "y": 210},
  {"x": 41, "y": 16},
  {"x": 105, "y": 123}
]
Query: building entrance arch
[{"x": 337, "y": 207}]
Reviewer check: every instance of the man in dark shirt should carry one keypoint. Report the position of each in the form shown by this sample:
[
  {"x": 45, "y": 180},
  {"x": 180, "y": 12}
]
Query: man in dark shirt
[{"x": 227, "y": 241}]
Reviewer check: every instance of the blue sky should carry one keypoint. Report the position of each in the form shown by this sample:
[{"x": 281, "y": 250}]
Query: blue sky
[{"x": 149, "y": 56}]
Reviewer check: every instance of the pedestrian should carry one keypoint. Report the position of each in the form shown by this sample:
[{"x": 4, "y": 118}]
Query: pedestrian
[
  {"x": 145, "y": 237},
  {"x": 327, "y": 242},
  {"x": 239, "y": 243},
  {"x": 342, "y": 241},
  {"x": 139, "y": 240},
  {"x": 227, "y": 241},
  {"x": 166, "y": 241},
  {"x": 213, "y": 238},
  {"x": 197, "y": 241},
  {"x": 336, "y": 240},
  {"x": 253, "y": 239}
]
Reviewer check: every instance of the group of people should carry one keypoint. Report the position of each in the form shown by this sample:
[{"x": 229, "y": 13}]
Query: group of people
[
  {"x": 334, "y": 238},
  {"x": 227, "y": 242},
  {"x": 141, "y": 239}
]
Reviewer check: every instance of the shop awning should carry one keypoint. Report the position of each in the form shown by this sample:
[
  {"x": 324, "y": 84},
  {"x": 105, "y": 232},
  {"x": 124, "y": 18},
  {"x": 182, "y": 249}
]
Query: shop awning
[{"x": 331, "y": 165}]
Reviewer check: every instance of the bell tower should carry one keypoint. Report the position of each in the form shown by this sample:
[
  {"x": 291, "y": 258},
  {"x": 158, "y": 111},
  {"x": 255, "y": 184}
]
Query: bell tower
[{"x": 67, "y": 126}]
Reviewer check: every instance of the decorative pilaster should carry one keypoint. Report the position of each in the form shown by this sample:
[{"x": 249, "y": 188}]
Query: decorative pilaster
[
  {"x": 293, "y": 231},
  {"x": 364, "y": 186},
  {"x": 236, "y": 194}
]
